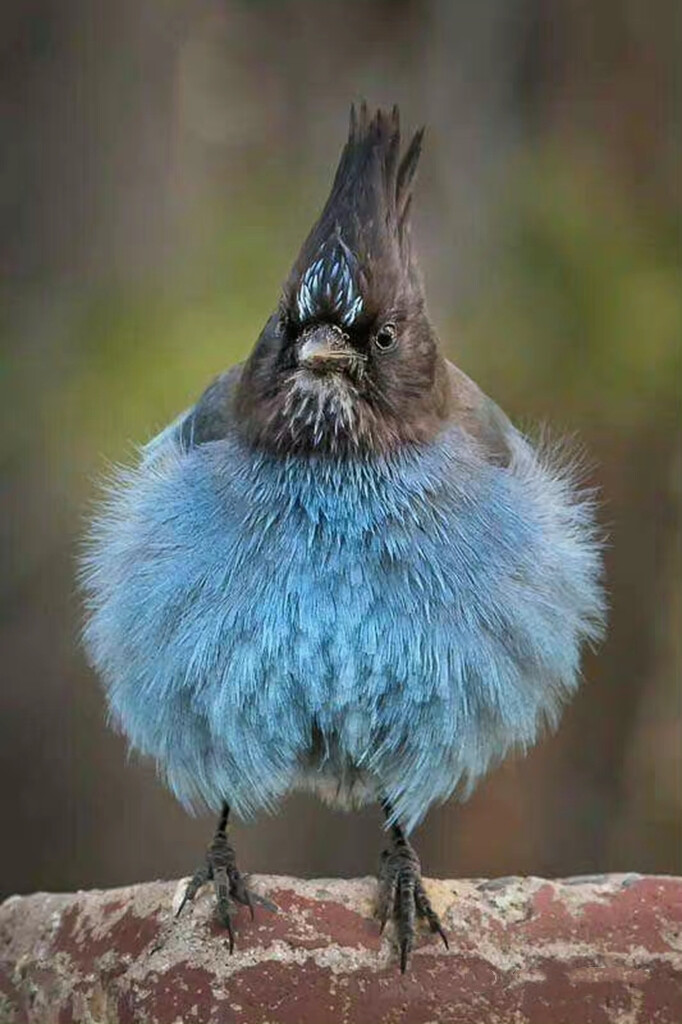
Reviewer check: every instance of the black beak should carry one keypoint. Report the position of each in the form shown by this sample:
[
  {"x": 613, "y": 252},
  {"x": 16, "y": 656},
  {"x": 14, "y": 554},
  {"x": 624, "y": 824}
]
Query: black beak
[{"x": 325, "y": 349}]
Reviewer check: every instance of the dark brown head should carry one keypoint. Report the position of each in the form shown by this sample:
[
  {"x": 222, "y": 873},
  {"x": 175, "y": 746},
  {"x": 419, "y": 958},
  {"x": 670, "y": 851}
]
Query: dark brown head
[{"x": 349, "y": 362}]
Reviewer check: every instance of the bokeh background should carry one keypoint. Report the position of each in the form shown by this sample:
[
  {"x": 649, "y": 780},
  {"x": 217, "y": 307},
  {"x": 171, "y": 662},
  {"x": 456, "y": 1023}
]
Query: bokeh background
[{"x": 161, "y": 162}]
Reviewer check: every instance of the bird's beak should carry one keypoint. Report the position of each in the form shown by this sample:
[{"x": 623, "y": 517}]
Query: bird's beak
[{"x": 326, "y": 348}]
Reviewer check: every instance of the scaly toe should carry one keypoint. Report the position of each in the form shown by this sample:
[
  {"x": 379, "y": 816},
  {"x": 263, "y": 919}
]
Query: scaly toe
[{"x": 402, "y": 898}]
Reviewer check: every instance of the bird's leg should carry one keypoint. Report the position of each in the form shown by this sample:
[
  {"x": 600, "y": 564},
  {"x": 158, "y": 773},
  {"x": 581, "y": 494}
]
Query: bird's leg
[
  {"x": 220, "y": 867},
  {"x": 402, "y": 896}
]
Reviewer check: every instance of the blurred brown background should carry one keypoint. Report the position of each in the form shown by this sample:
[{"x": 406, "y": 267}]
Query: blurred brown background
[{"x": 161, "y": 162}]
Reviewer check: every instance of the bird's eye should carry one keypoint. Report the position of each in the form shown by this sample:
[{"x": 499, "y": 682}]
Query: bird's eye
[{"x": 386, "y": 337}]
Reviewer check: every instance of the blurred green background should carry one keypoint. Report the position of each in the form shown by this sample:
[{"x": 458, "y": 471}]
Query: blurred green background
[{"x": 161, "y": 162}]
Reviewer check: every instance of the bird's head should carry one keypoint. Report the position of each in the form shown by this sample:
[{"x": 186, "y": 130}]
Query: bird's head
[{"x": 349, "y": 362}]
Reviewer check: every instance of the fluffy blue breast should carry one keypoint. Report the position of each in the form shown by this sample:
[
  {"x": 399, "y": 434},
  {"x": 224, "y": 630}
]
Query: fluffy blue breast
[{"x": 416, "y": 615}]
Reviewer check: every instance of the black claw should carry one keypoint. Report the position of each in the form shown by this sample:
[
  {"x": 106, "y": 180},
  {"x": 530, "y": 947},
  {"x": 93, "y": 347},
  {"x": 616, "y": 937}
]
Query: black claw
[
  {"x": 261, "y": 901},
  {"x": 199, "y": 878}
]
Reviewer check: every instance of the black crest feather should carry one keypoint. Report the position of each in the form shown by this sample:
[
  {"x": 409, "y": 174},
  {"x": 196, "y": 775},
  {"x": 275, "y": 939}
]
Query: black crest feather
[{"x": 357, "y": 258}]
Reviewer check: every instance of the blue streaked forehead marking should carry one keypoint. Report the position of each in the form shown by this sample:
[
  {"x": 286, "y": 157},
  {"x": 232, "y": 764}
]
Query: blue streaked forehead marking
[{"x": 329, "y": 285}]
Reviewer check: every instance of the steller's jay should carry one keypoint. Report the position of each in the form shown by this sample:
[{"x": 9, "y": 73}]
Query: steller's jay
[{"x": 343, "y": 569}]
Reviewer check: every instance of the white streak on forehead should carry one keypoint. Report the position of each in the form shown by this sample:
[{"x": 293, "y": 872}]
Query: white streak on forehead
[{"x": 329, "y": 284}]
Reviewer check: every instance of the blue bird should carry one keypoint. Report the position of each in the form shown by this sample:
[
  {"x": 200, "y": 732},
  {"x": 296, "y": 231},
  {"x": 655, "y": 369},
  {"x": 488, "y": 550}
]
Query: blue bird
[{"x": 343, "y": 569}]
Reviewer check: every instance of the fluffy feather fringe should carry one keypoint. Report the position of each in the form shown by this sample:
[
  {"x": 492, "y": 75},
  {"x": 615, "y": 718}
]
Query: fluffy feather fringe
[{"x": 388, "y": 626}]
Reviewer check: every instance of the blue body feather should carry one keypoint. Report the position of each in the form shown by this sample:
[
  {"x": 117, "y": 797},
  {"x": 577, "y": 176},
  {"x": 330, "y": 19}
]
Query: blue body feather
[{"x": 384, "y": 625}]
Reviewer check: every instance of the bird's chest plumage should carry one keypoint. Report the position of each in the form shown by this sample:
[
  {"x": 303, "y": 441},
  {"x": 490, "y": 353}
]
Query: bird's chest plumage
[
  {"x": 410, "y": 616},
  {"x": 345, "y": 583}
]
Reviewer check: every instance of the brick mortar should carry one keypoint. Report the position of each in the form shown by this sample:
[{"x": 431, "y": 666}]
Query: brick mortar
[{"x": 598, "y": 950}]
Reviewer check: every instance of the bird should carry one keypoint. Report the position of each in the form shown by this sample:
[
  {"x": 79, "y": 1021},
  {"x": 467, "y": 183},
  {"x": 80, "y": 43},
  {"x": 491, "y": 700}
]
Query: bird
[{"x": 343, "y": 569}]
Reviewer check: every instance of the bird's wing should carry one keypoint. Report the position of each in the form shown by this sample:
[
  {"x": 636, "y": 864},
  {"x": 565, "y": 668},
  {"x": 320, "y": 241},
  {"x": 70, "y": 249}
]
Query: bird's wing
[
  {"x": 211, "y": 419},
  {"x": 481, "y": 418},
  {"x": 159, "y": 443},
  {"x": 208, "y": 420}
]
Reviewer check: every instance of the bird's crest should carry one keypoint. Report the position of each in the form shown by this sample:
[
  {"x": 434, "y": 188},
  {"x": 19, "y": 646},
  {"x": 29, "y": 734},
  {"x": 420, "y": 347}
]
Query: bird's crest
[{"x": 357, "y": 260}]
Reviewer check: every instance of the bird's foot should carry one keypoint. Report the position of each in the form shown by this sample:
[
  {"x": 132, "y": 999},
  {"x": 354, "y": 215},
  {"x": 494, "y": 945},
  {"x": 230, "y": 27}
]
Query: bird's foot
[
  {"x": 402, "y": 896},
  {"x": 230, "y": 885}
]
